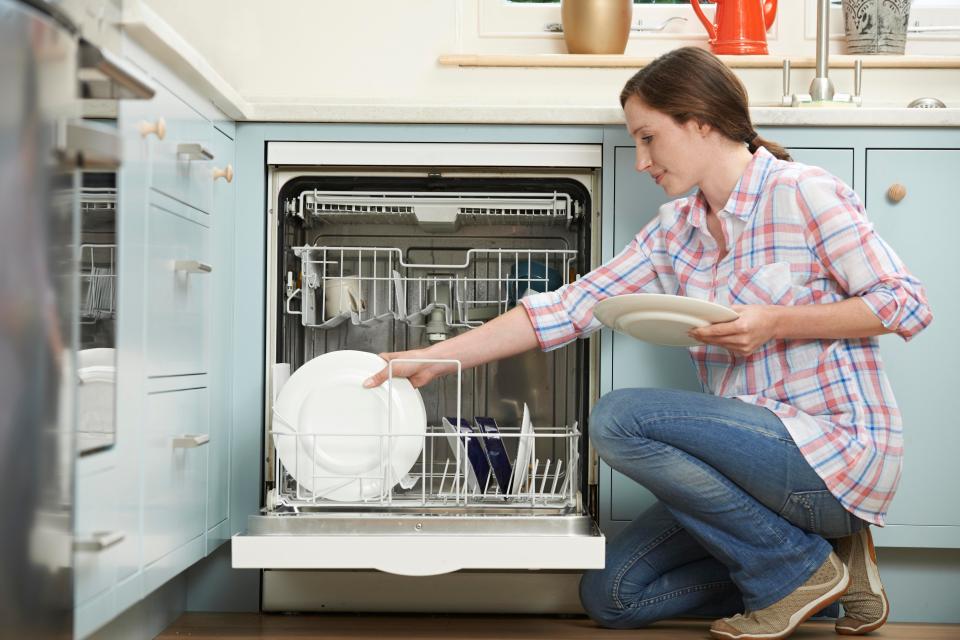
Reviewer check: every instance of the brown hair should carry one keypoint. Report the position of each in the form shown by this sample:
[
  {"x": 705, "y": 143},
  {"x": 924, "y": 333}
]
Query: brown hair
[{"x": 690, "y": 83}]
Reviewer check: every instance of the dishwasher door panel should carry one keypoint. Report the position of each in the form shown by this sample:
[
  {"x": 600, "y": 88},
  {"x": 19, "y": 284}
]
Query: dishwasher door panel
[{"x": 419, "y": 555}]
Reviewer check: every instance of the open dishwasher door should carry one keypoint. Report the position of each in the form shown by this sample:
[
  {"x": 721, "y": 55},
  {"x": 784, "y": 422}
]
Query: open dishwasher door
[{"x": 396, "y": 257}]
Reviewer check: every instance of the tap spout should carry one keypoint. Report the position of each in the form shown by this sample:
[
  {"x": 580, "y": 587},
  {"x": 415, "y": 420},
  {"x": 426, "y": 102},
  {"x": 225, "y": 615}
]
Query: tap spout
[{"x": 821, "y": 89}]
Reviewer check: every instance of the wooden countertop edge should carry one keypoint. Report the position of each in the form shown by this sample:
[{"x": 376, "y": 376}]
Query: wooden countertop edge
[{"x": 837, "y": 61}]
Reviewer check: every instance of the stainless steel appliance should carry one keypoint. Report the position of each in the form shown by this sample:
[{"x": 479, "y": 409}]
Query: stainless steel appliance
[
  {"x": 57, "y": 300},
  {"x": 37, "y": 323},
  {"x": 434, "y": 240}
]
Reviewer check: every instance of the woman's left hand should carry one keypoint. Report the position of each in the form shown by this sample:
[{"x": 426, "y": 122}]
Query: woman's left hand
[{"x": 755, "y": 327}]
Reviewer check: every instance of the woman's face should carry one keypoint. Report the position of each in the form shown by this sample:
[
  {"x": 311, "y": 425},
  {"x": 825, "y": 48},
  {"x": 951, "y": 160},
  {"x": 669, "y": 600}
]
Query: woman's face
[{"x": 674, "y": 155}]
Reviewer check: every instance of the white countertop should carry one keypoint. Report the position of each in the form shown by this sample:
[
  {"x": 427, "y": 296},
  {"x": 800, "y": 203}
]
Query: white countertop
[
  {"x": 156, "y": 36},
  {"x": 546, "y": 114}
]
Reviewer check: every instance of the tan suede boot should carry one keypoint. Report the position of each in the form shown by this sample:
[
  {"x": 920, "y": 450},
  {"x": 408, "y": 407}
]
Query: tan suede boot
[
  {"x": 865, "y": 605},
  {"x": 782, "y": 618}
]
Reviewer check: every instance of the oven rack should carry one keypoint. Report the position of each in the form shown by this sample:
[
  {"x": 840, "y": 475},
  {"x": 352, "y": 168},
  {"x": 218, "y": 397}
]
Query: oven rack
[
  {"x": 368, "y": 285},
  {"x": 434, "y": 210},
  {"x": 441, "y": 481}
]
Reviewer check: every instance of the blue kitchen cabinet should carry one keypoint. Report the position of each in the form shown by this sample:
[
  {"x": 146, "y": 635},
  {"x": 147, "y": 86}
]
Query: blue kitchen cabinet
[
  {"x": 629, "y": 363},
  {"x": 178, "y": 282},
  {"x": 922, "y": 228},
  {"x": 221, "y": 342},
  {"x": 632, "y": 363},
  {"x": 176, "y": 435},
  {"x": 158, "y": 500}
]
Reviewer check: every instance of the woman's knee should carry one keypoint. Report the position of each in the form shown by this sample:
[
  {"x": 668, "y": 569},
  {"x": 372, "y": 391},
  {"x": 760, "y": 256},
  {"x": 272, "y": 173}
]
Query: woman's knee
[
  {"x": 620, "y": 414},
  {"x": 610, "y": 415},
  {"x": 599, "y": 599}
]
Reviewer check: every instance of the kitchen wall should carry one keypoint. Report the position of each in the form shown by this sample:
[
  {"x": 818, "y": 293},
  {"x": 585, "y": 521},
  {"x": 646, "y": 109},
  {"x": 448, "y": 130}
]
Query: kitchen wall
[{"x": 373, "y": 52}]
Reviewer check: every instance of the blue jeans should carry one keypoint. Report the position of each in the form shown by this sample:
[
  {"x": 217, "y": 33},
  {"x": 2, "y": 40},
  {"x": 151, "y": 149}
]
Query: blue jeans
[{"x": 741, "y": 520}]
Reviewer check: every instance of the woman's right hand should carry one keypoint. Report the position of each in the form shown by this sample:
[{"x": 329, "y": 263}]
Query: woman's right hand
[{"x": 419, "y": 373}]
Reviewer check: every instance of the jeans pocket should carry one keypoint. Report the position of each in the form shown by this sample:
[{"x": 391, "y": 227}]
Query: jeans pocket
[{"x": 818, "y": 512}]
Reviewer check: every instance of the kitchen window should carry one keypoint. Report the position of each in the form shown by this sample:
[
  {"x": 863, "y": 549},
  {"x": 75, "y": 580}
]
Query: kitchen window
[{"x": 934, "y": 25}]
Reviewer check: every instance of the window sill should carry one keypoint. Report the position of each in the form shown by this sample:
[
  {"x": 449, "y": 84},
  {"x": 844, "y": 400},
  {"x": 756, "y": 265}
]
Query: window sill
[{"x": 735, "y": 62}]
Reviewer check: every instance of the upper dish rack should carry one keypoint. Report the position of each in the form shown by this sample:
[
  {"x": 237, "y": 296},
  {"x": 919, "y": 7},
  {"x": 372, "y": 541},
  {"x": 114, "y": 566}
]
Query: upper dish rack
[
  {"x": 434, "y": 211},
  {"x": 372, "y": 284}
]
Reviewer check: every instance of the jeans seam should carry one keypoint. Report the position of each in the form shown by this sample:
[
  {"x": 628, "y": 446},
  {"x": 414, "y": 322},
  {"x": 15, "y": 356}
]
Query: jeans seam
[
  {"x": 681, "y": 592},
  {"x": 657, "y": 419},
  {"x": 663, "y": 537}
]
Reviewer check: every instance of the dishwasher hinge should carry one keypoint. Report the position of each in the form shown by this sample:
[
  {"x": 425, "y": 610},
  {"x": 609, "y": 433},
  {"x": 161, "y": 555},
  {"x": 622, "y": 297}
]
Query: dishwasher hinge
[{"x": 593, "y": 484}]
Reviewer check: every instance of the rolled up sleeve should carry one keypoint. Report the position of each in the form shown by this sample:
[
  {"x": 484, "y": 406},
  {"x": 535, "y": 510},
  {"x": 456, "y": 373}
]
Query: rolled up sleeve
[
  {"x": 864, "y": 265},
  {"x": 561, "y": 316}
]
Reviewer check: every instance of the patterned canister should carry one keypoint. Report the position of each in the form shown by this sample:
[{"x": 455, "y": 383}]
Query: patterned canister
[{"x": 876, "y": 26}]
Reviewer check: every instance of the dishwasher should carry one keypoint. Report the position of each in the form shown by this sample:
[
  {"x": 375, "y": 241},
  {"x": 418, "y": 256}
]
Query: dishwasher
[{"x": 421, "y": 242}]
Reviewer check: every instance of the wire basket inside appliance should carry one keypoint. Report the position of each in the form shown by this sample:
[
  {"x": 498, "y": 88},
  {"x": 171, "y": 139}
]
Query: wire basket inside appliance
[
  {"x": 98, "y": 279},
  {"x": 442, "y": 480},
  {"x": 430, "y": 207},
  {"x": 98, "y": 254},
  {"x": 366, "y": 285}
]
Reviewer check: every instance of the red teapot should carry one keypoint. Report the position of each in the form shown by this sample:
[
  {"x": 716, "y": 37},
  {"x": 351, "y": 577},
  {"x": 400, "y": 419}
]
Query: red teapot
[{"x": 741, "y": 27}]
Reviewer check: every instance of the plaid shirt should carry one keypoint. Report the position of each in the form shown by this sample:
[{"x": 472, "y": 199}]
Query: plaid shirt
[{"x": 796, "y": 235}]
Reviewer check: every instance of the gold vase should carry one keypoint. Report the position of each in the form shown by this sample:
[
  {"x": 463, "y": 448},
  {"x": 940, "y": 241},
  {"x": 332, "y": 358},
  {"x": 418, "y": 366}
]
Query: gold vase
[{"x": 596, "y": 26}]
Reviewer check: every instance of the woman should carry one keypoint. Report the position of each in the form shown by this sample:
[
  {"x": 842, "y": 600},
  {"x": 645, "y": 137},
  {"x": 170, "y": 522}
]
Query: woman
[{"x": 797, "y": 437}]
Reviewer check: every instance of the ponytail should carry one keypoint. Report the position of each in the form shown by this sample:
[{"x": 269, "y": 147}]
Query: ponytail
[{"x": 756, "y": 141}]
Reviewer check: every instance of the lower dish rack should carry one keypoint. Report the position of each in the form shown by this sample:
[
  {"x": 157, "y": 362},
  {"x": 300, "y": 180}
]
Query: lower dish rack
[{"x": 454, "y": 508}]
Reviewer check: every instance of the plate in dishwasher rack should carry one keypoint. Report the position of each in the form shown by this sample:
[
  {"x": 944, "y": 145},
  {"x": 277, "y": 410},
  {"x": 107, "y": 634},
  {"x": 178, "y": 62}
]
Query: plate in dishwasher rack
[
  {"x": 660, "y": 318},
  {"x": 341, "y": 441}
]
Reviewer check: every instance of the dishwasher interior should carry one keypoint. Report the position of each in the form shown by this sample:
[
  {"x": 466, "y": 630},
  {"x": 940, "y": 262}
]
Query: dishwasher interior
[
  {"x": 398, "y": 258},
  {"x": 427, "y": 258}
]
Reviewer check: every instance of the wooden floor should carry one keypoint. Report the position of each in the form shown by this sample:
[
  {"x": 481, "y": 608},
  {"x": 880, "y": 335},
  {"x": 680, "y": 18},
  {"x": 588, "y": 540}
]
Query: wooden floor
[{"x": 387, "y": 627}]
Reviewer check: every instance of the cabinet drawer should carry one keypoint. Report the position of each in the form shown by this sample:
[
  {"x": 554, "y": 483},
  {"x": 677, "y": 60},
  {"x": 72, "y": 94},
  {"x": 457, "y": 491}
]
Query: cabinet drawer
[
  {"x": 178, "y": 281},
  {"x": 98, "y": 538},
  {"x": 175, "y": 457},
  {"x": 181, "y": 162}
]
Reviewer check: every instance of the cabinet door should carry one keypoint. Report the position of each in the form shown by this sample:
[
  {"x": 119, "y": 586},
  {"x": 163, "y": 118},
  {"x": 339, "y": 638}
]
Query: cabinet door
[
  {"x": 221, "y": 373},
  {"x": 638, "y": 364},
  {"x": 636, "y": 199},
  {"x": 178, "y": 278},
  {"x": 922, "y": 229},
  {"x": 839, "y": 162},
  {"x": 175, "y": 459}
]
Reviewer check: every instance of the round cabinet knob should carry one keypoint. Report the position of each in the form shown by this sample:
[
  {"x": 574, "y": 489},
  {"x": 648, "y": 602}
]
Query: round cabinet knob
[
  {"x": 896, "y": 193},
  {"x": 226, "y": 174},
  {"x": 159, "y": 128}
]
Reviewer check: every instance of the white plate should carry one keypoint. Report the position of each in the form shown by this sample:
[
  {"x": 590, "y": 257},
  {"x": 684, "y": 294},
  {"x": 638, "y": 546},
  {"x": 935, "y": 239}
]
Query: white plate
[
  {"x": 99, "y": 357},
  {"x": 336, "y": 449},
  {"x": 524, "y": 451},
  {"x": 660, "y": 318},
  {"x": 95, "y": 395}
]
